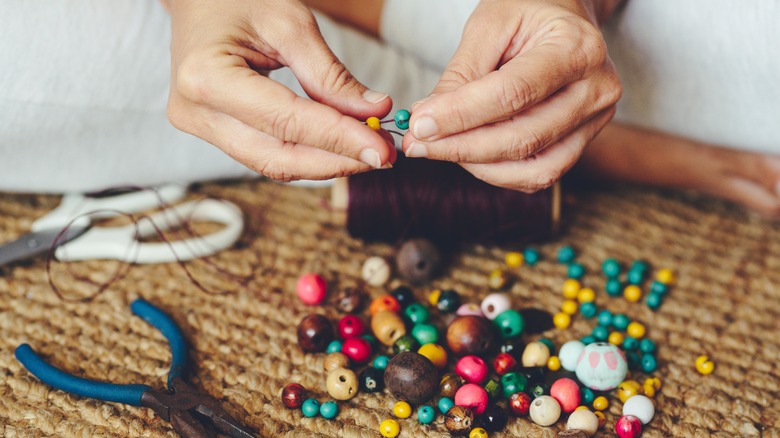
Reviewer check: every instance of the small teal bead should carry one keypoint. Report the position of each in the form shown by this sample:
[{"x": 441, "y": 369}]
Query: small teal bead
[
  {"x": 512, "y": 383},
  {"x": 605, "y": 318},
  {"x": 576, "y": 270},
  {"x": 549, "y": 343},
  {"x": 587, "y": 340},
  {"x": 630, "y": 344},
  {"x": 401, "y": 119},
  {"x": 310, "y": 408},
  {"x": 610, "y": 268},
  {"x": 600, "y": 333},
  {"x": 646, "y": 345},
  {"x": 334, "y": 347},
  {"x": 425, "y": 333},
  {"x": 426, "y": 414},
  {"x": 329, "y": 410},
  {"x": 445, "y": 404},
  {"x": 614, "y": 287},
  {"x": 380, "y": 362},
  {"x": 586, "y": 395},
  {"x": 654, "y": 301},
  {"x": 566, "y": 254},
  {"x": 620, "y": 321},
  {"x": 632, "y": 358},
  {"x": 648, "y": 363},
  {"x": 588, "y": 310},
  {"x": 639, "y": 265},
  {"x": 417, "y": 313},
  {"x": 659, "y": 288},
  {"x": 510, "y": 323},
  {"x": 635, "y": 277},
  {"x": 530, "y": 256}
]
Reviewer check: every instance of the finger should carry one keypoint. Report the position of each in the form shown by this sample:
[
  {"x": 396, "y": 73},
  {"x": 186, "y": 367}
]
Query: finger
[
  {"x": 545, "y": 168},
  {"x": 751, "y": 195},
  {"x": 518, "y": 137}
]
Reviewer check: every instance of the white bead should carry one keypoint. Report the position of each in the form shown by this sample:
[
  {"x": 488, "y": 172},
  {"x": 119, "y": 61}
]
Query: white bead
[
  {"x": 495, "y": 303},
  {"x": 536, "y": 354},
  {"x": 641, "y": 407},
  {"x": 545, "y": 410},
  {"x": 584, "y": 420},
  {"x": 569, "y": 353},
  {"x": 601, "y": 366},
  {"x": 376, "y": 271}
]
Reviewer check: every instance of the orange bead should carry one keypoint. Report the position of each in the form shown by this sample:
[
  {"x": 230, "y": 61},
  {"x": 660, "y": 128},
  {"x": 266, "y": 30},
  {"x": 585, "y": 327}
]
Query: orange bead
[{"x": 385, "y": 302}]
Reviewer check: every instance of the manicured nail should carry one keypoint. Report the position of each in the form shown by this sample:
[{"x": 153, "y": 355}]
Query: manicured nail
[
  {"x": 372, "y": 96},
  {"x": 371, "y": 157},
  {"x": 417, "y": 150},
  {"x": 425, "y": 128}
]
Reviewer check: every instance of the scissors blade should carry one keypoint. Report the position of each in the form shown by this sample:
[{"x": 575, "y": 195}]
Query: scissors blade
[{"x": 33, "y": 244}]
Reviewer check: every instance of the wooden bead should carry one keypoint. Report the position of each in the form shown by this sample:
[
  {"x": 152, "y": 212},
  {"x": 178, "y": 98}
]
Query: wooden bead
[
  {"x": 311, "y": 289},
  {"x": 387, "y": 327},
  {"x": 349, "y": 299},
  {"x": 293, "y": 395},
  {"x": 314, "y": 333},
  {"x": 384, "y": 302},
  {"x": 342, "y": 384},
  {"x": 569, "y": 353},
  {"x": 519, "y": 404},
  {"x": 628, "y": 427},
  {"x": 418, "y": 261},
  {"x": 357, "y": 349},
  {"x": 351, "y": 326},
  {"x": 494, "y": 418},
  {"x": 583, "y": 420},
  {"x": 545, "y": 411},
  {"x": 601, "y": 367},
  {"x": 494, "y": 304},
  {"x": 449, "y": 385},
  {"x": 411, "y": 377},
  {"x": 504, "y": 363},
  {"x": 376, "y": 271},
  {"x": 470, "y": 335},
  {"x": 535, "y": 355},
  {"x": 459, "y": 420},
  {"x": 335, "y": 360},
  {"x": 640, "y": 407},
  {"x": 372, "y": 380},
  {"x": 473, "y": 397},
  {"x": 567, "y": 392}
]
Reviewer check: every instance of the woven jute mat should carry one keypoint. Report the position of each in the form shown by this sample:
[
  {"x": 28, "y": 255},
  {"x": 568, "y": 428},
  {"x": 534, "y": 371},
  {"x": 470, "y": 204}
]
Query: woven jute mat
[{"x": 726, "y": 303}]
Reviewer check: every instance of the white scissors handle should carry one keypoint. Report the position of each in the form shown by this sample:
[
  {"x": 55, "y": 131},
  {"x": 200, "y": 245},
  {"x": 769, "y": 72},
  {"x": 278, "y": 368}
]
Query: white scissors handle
[{"x": 119, "y": 243}]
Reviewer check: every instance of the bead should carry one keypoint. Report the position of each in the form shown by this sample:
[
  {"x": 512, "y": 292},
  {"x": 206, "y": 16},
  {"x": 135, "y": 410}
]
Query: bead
[
  {"x": 449, "y": 301},
  {"x": 404, "y": 295},
  {"x": 519, "y": 404},
  {"x": 569, "y": 307},
  {"x": 569, "y": 353},
  {"x": 704, "y": 365},
  {"x": 389, "y": 428},
  {"x": 566, "y": 254},
  {"x": 349, "y": 299},
  {"x": 512, "y": 383},
  {"x": 293, "y": 395},
  {"x": 314, "y": 333},
  {"x": 374, "y": 123},
  {"x": 504, "y": 363},
  {"x": 433, "y": 297},
  {"x": 575, "y": 270},
  {"x": 535, "y": 355},
  {"x": 601, "y": 417},
  {"x": 549, "y": 343},
  {"x": 405, "y": 343},
  {"x": 387, "y": 327},
  {"x": 458, "y": 420},
  {"x": 600, "y": 403},
  {"x": 587, "y": 340},
  {"x": 425, "y": 334},
  {"x": 357, "y": 349},
  {"x": 418, "y": 261},
  {"x": 531, "y": 256},
  {"x": 380, "y": 362},
  {"x": 567, "y": 393},
  {"x": 335, "y": 360},
  {"x": 493, "y": 388},
  {"x": 411, "y": 377},
  {"x": 478, "y": 432},
  {"x": 600, "y": 333},
  {"x": 417, "y": 313},
  {"x": 470, "y": 335},
  {"x": 311, "y": 289},
  {"x": 630, "y": 344},
  {"x": 384, "y": 302},
  {"x": 553, "y": 363},
  {"x": 545, "y": 411},
  {"x": 601, "y": 366},
  {"x": 375, "y": 271},
  {"x": 586, "y": 295},
  {"x": 435, "y": 353},
  {"x": 329, "y": 410},
  {"x": 473, "y": 397},
  {"x": 610, "y": 268},
  {"x": 445, "y": 404},
  {"x": 351, "y": 326},
  {"x": 513, "y": 259},
  {"x": 635, "y": 330},
  {"x": 620, "y": 321},
  {"x": 616, "y": 338},
  {"x": 639, "y": 265},
  {"x": 514, "y": 346},
  {"x": 635, "y": 277},
  {"x": 648, "y": 363},
  {"x": 628, "y": 427},
  {"x": 628, "y": 389},
  {"x": 654, "y": 301},
  {"x": 588, "y": 309},
  {"x": 472, "y": 369},
  {"x": 632, "y": 293},
  {"x": 372, "y": 380},
  {"x": 449, "y": 385},
  {"x": 426, "y": 414},
  {"x": 632, "y": 357},
  {"x": 494, "y": 418},
  {"x": 342, "y": 384},
  {"x": 562, "y": 320},
  {"x": 498, "y": 279},
  {"x": 540, "y": 390},
  {"x": 665, "y": 276},
  {"x": 334, "y": 347},
  {"x": 494, "y": 304},
  {"x": 640, "y": 407},
  {"x": 583, "y": 420},
  {"x": 469, "y": 309},
  {"x": 651, "y": 386},
  {"x": 310, "y": 408},
  {"x": 586, "y": 395},
  {"x": 613, "y": 287},
  {"x": 571, "y": 288},
  {"x": 658, "y": 288},
  {"x": 604, "y": 318},
  {"x": 401, "y": 119},
  {"x": 402, "y": 409},
  {"x": 510, "y": 323}
]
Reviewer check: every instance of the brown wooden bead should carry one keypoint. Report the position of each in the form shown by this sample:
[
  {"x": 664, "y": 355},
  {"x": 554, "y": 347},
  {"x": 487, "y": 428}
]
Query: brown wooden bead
[
  {"x": 350, "y": 299},
  {"x": 459, "y": 420},
  {"x": 387, "y": 327},
  {"x": 342, "y": 384},
  {"x": 293, "y": 395},
  {"x": 335, "y": 360},
  {"x": 411, "y": 377},
  {"x": 449, "y": 385},
  {"x": 418, "y": 260},
  {"x": 470, "y": 335},
  {"x": 314, "y": 333}
]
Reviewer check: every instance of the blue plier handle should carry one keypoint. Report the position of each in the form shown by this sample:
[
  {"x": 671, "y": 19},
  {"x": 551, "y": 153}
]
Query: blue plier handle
[{"x": 181, "y": 404}]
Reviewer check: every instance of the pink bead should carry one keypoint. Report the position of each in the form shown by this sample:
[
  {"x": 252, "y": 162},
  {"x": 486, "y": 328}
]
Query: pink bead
[
  {"x": 311, "y": 289},
  {"x": 472, "y": 368},
  {"x": 567, "y": 393},
  {"x": 357, "y": 349},
  {"x": 351, "y": 326},
  {"x": 472, "y": 396},
  {"x": 469, "y": 309},
  {"x": 628, "y": 426}
]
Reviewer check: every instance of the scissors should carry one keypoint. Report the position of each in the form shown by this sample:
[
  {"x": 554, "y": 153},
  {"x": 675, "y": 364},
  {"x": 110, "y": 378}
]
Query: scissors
[
  {"x": 192, "y": 413},
  {"x": 82, "y": 241}
]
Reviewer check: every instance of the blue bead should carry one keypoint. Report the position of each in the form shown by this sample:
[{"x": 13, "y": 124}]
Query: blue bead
[
  {"x": 620, "y": 321},
  {"x": 310, "y": 408},
  {"x": 586, "y": 395},
  {"x": 588, "y": 310},
  {"x": 600, "y": 333},
  {"x": 530, "y": 256},
  {"x": 630, "y": 344},
  {"x": 576, "y": 271},
  {"x": 426, "y": 414},
  {"x": 334, "y": 347},
  {"x": 549, "y": 343},
  {"x": 401, "y": 118},
  {"x": 329, "y": 409},
  {"x": 654, "y": 301},
  {"x": 659, "y": 288},
  {"x": 635, "y": 277},
  {"x": 566, "y": 254},
  {"x": 646, "y": 345},
  {"x": 639, "y": 265},
  {"x": 605, "y": 318},
  {"x": 649, "y": 364},
  {"x": 610, "y": 268},
  {"x": 614, "y": 287},
  {"x": 587, "y": 340},
  {"x": 445, "y": 404},
  {"x": 380, "y": 362}
]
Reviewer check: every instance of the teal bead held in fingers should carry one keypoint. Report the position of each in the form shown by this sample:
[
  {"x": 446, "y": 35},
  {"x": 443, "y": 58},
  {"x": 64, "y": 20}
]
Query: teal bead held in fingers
[
  {"x": 401, "y": 119},
  {"x": 510, "y": 323}
]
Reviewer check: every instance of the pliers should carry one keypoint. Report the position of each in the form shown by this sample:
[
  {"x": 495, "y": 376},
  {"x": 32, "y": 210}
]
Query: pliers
[{"x": 192, "y": 413}]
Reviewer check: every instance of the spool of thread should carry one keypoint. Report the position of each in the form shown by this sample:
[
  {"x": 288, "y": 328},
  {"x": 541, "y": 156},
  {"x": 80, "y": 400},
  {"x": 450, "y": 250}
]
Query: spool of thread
[{"x": 441, "y": 201}]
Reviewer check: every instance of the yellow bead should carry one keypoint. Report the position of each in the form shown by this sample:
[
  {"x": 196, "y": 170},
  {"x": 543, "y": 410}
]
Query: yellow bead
[
  {"x": 628, "y": 389},
  {"x": 498, "y": 279},
  {"x": 402, "y": 409},
  {"x": 562, "y": 320},
  {"x": 570, "y": 288},
  {"x": 581, "y": 408},
  {"x": 586, "y": 295},
  {"x": 435, "y": 353},
  {"x": 602, "y": 418},
  {"x": 514, "y": 259},
  {"x": 569, "y": 307},
  {"x": 655, "y": 382},
  {"x": 478, "y": 432},
  {"x": 616, "y": 338},
  {"x": 648, "y": 390},
  {"x": 704, "y": 365},
  {"x": 390, "y": 428},
  {"x": 553, "y": 363},
  {"x": 665, "y": 276},
  {"x": 373, "y": 123},
  {"x": 636, "y": 330},
  {"x": 632, "y": 293},
  {"x": 600, "y": 403},
  {"x": 433, "y": 297}
]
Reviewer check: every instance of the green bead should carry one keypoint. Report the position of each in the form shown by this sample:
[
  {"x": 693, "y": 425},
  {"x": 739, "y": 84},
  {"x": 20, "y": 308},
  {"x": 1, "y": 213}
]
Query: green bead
[
  {"x": 530, "y": 256},
  {"x": 334, "y": 347},
  {"x": 635, "y": 277},
  {"x": 445, "y": 404},
  {"x": 610, "y": 268},
  {"x": 632, "y": 358},
  {"x": 510, "y": 323},
  {"x": 310, "y": 408},
  {"x": 620, "y": 321},
  {"x": 600, "y": 333},
  {"x": 329, "y": 409},
  {"x": 425, "y": 334},
  {"x": 380, "y": 362},
  {"x": 576, "y": 271},
  {"x": 566, "y": 254},
  {"x": 648, "y": 363},
  {"x": 654, "y": 301},
  {"x": 659, "y": 288},
  {"x": 493, "y": 388},
  {"x": 614, "y": 287},
  {"x": 401, "y": 119},
  {"x": 587, "y": 340},
  {"x": 371, "y": 340},
  {"x": 588, "y": 310},
  {"x": 449, "y": 301},
  {"x": 630, "y": 344},
  {"x": 549, "y": 343},
  {"x": 646, "y": 345},
  {"x": 639, "y": 265},
  {"x": 405, "y": 343},
  {"x": 417, "y": 313},
  {"x": 426, "y": 414},
  {"x": 512, "y": 383},
  {"x": 586, "y": 395},
  {"x": 605, "y": 318},
  {"x": 540, "y": 390}
]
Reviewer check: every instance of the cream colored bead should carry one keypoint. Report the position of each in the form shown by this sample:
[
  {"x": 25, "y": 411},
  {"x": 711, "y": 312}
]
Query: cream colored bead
[
  {"x": 584, "y": 420},
  {"x": 545, "y": 411},
  {"x": 535, "y": 354},
  {"x": 376, "y": 271},
  {"x": 342, "y": 384}
]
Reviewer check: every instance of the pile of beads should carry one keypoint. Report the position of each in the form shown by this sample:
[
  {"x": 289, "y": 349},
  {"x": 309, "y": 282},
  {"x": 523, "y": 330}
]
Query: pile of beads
[{"x": 294, "y": 397}]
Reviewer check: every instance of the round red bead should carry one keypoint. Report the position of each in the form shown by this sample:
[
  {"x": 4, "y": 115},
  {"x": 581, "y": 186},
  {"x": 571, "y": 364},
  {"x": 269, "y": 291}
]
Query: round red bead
[
  {"x": 504, "y": 363},
  {"x": 311, "y": 289},
  {"x": 472, "y": 368},
  {"x": 472, "y": 396},
  {"x": 519, "y": 404},
  {"x": 628, "y": 426},
  {"x": 293, "y": 395},
  {"x": 357, "y": 349},
  {"x": 351, "y": 326},
  {"x": 567, "y": 393}
]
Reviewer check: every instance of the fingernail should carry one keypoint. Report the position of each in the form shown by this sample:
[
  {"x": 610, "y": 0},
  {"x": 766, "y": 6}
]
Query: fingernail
[
  {"x": 425, "y": 128},
  {"x": 387, "y": 165},
  {"x": 417, "y": 150},
  {"x": 371, "y": 157},
  {"x": 372, "y": 96}
]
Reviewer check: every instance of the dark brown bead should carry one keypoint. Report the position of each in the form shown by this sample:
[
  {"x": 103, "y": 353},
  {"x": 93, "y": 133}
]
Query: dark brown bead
[
  {"x": 449, "y": 385},
  {"x": 418, "y": 261},
  {"x": 314, "y": 333},
  {"x": 470, "y": 335},
  {"x": 536, "y": 320},
  {"x": 293, "y": 395},
  {"x": 411, "y": 377},
  {"x": 349, "y": 299},
  {"x": 573, "y": 433},
  {"x": 459, "y": 420}
]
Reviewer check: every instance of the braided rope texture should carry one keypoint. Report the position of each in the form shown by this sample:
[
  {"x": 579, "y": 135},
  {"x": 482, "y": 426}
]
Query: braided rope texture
[{"x": 726, "y": 304}]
